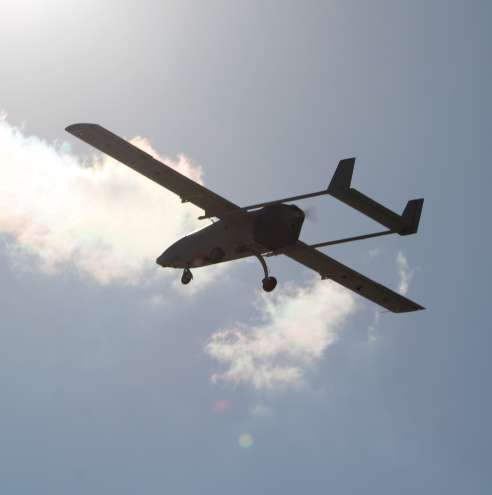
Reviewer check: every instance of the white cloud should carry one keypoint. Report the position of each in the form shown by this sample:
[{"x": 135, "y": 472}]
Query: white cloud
[
  {"x": 101, "y": 217},
  {"x": 404, "y": 273},
  {"x": 297, "y": 325}
]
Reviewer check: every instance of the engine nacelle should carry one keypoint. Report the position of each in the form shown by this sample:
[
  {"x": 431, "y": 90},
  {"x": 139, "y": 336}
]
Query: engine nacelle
[{"x": 277, "y": 226}]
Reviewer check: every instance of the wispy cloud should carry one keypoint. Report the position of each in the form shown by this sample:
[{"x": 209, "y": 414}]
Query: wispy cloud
[
  {"x": 374, "y": 252},
  {"x": 99, "y": 216},
  {"x": 404, "y": 273},
  {"x": 373, "y": 326},
  {"x": 297, "y": 325}
]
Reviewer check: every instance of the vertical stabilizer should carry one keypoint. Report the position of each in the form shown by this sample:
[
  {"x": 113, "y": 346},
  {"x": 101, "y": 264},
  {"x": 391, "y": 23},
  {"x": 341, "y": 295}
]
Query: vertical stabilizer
[
  {"x": 340, "y": 188},
  {"x": 411, "y": 216},
  {"x": 342, "y": 177}
]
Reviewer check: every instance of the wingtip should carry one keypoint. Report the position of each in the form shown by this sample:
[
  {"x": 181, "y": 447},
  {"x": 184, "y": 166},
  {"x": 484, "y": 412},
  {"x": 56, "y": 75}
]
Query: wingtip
[
  {"x": 75, "y": 128},
  {"x": 408, "y": 306},
  {"x": 417, "y": 307}
]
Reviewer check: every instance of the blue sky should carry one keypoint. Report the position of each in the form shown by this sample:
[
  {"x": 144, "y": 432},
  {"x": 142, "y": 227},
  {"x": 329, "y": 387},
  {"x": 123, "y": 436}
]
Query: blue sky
[{"x": 114, "y": 378}]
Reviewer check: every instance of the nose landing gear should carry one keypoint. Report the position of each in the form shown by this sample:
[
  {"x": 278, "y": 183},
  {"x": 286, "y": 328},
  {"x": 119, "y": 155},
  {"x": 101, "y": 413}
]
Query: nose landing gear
[
  {"x": 269, "y": 283},
  {"x": 186, "y": 277}
]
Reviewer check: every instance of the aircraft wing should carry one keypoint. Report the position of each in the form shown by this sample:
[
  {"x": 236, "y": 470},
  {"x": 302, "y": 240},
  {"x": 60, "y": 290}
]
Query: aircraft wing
[
  {"x": 121, "y": 150},
  {"x": 329, "y": 268}
]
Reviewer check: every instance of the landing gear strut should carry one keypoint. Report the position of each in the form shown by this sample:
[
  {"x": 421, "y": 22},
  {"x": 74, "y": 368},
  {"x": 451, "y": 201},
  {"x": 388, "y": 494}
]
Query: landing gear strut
[
  {"x": 187, "y": 276},
  {"x": 269, "y": 283}
]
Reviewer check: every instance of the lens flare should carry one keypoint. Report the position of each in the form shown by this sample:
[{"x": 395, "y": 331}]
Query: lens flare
[
  {"x": 245, "y": 440},
  {"x": 221, "y": 406}
]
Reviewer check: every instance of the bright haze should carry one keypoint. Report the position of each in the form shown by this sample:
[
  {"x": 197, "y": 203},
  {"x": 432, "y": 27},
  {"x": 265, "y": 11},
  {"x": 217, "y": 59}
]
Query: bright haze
[{"x": 117, "y": 379}]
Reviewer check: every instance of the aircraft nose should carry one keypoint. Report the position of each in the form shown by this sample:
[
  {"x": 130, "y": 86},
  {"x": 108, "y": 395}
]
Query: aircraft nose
[
  {"x": 169, "y": 258},
  {"x": 165, "y": 259},
  {"x": 175, "y": 256}
]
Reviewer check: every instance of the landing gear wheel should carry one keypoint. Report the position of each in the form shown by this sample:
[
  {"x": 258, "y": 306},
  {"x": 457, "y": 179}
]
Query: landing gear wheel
[
  {"x": 269, "y": 283},
  {"x": 186, "y": 277}
]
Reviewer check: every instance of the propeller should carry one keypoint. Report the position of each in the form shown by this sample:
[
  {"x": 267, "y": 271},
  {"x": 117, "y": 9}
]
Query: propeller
[{"x": 311, "y": 214}]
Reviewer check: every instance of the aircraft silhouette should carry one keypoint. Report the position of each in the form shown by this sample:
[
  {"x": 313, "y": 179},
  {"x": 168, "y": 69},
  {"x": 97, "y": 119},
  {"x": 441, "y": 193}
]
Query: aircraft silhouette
[{"x": 263, "y": 229}]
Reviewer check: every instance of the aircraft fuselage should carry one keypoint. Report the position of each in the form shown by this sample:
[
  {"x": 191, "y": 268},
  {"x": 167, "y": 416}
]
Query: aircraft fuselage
[{"x": 236, "y": 236}]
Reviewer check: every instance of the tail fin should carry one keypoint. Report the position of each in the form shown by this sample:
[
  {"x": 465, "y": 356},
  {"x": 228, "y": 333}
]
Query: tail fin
[
  {"x": 411, "y": 216},
  {"x": 342, "y": 177}
]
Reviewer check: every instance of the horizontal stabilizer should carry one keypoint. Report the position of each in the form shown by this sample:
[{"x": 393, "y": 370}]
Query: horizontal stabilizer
[{"x": 339, "y": 187}]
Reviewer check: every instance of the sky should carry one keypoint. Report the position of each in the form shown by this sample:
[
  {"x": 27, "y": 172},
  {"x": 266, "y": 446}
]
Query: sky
[{"x": 116, "y": 379}]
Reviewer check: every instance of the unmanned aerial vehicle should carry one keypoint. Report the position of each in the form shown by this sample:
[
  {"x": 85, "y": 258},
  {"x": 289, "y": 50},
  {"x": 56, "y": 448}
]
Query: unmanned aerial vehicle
[{"x": 263, "y": 229}]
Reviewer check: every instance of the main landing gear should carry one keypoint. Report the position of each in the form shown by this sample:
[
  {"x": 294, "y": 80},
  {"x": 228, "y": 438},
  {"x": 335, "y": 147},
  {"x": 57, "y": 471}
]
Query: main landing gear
[
  {"x": 269, "y": 283},
  {"x": 187, "y": 276}
]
